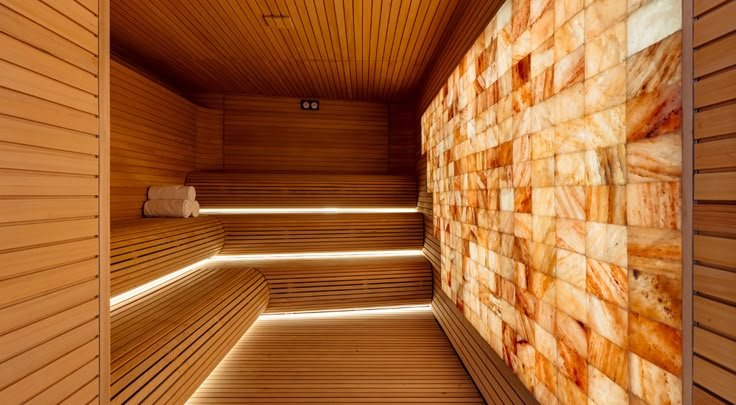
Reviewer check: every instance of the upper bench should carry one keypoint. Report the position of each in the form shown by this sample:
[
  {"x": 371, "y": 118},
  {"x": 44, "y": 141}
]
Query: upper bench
[{"x": 247, "y": 190}]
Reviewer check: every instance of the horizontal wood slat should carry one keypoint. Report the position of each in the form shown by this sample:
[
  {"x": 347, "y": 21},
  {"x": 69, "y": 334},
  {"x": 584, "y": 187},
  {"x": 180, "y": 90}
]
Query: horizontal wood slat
[
  {"x": 153, "y": 139},
  {"x": 316, "y": 285},
  {"x": 715, "y": 56},
  {"x": 145, "y": 249},
  {"x": 715, "y": 218},
  {"x": 715, "y": 122},
  {"x": 716, "y": 316},
  {"x": 714, "y": 378},
  {"x": 244, "y": 190},
  {"x": 52, "y": 181},
  {"x": 715, "y": 89},
  {"x": 714, "y": 24},
  {"x": 715, "y": 186},
  {"x": 714, "y": 212},
  {"x": 495, "y": 380},
  {"x": 702, "y": 397},
  {"x": 713, "y": 250},
  {"x": 299, "y": 233},
  {"x": 352, "y": 359},
  {"x": 166, "y": 342}
]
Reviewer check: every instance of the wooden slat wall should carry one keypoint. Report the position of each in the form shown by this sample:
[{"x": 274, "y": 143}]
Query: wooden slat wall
[
  {"x": 166, "y": 342},
  {"x": 51, "y": 89},
  {"x": 209, "y": 139},
  {"x": 319, "y": 284},
  {"x": 142, "y": 250},
  {"x": 272, "y": 134},
  {"x": 360, "y": 359},
  {"x": 299, "y": 233},
  {"x": 467, "y": 23},
  {"x": 714, "y": 213},
  {"x": 495, "y": 380},
  {"x": 403, "y": 140},
  {"x": 264, "y": 190},
  {"x": 344, "y": 49},
  {"x": 154, "y": 135}
]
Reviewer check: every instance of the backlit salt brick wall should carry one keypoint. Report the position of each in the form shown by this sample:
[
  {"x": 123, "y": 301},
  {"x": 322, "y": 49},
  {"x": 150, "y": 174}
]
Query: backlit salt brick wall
[{"x": 554, "y": 160}]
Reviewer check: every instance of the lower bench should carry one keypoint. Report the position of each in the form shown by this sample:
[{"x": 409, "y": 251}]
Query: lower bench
[{"x": 167, "y": 341}]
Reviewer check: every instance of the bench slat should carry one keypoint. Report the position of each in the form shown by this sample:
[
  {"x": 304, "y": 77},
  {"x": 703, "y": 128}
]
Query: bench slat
[{"x": 166, "y": 342}]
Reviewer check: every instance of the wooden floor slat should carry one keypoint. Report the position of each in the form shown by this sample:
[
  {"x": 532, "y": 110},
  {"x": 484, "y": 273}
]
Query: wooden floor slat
[{"x": 402, "y": 358}]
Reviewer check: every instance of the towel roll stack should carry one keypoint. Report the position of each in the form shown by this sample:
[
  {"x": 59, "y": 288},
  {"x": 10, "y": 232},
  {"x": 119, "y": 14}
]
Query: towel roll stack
[
  {"x": 172, "y": 193},
  {"x": 168, "y": 208},
  {"x": 171, "y": 202}
]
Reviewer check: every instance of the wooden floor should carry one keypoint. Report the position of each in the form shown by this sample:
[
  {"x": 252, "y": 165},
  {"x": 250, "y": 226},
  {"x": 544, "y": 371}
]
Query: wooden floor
[{"x": 356, "y": 359}]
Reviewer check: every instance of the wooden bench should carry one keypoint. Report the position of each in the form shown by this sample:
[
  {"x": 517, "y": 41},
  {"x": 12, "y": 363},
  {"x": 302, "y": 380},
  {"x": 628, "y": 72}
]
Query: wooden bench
[
  {"x": 168, "y": 340},
  {"x": 318, "y": 284},
  {"x": 298, "y": 233},
  {"x": 145, "y": 249},
  {"x": 243, "y": 190}
]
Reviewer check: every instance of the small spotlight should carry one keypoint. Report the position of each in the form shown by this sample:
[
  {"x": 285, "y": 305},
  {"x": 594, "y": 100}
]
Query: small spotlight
[{"x": 310, "y": 105}]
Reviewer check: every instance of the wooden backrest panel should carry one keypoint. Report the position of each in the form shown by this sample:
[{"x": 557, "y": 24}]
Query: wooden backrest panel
[
  {"x": 154, "y": 133},
  {"x": 273, "y": 134},
  {"x": 166, "y": 342},
  {"x": 298, "y": 233},
  {"x": 244, "y": 190},
  {"x": 53, "y": 219},
  {"x": 714, "y": 212},
  {"x": 145, "y": 249},
  {"x": 319, "y": 284}
]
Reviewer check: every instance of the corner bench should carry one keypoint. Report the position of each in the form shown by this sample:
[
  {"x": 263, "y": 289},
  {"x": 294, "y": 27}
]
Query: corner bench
[{"x": 166, "y": 341}]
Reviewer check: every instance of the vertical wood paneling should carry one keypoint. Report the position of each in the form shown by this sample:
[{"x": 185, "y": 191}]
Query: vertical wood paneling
[
  {"x": 714, "y": 272},
  {"x": 273, "y": 134},
  {"x": 153, "y": 142},
  {"x": 53, "y": 137},
  {"x": 338, "y": 49}
]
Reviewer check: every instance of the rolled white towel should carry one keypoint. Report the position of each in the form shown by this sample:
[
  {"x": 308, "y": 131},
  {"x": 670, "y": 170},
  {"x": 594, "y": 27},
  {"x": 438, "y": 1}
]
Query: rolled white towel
[
  {"x": 172, "y": 193},
  {"x": 195, "y": 209},
  {"x": 167, "y": 208}
]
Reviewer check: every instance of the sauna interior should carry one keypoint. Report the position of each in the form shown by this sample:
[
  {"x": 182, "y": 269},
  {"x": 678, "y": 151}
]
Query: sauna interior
[{"x": 400, "y": 201}]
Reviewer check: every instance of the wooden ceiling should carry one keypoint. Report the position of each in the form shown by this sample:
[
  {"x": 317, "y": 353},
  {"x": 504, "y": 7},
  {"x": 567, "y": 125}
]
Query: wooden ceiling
[{"x": 339, "y": 49}]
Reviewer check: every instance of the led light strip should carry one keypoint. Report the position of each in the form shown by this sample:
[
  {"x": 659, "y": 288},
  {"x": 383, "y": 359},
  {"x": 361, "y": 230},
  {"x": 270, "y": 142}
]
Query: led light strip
[
  {"x": 155, "y": 283},
  {"x": 325, "y": 255},
  {"x": 231, "y": 211},
  {"x": 346, "y": 313}
]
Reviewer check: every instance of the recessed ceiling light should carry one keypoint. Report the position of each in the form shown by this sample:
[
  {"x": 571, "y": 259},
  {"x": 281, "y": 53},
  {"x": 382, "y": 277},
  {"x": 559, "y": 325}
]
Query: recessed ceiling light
[{"x": 279, "y": 22}]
